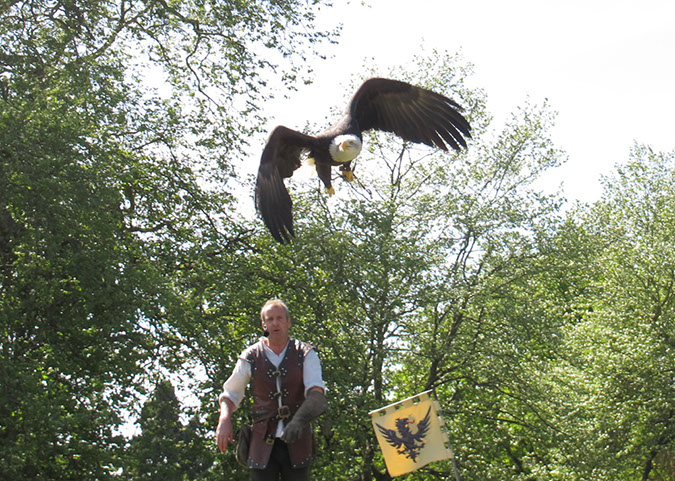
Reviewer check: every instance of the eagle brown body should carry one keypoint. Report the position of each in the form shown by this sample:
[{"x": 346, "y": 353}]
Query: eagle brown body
[{"x": 412, "y": 113}]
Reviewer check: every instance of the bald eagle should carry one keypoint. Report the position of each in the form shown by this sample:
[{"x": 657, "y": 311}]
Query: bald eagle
[{"x": 413, "y": 113}]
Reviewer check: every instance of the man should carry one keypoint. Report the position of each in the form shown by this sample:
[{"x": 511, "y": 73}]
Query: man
[{"x": 288, "y": 392}]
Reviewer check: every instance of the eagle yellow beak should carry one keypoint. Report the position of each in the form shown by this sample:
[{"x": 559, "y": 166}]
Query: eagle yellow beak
[{"x": 344, "y": 145}]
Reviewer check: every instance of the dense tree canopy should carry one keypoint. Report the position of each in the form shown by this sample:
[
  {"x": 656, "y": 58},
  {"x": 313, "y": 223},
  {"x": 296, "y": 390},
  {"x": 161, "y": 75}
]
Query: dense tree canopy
[
  {"x": 546, "y": 334},
  {"x": 110, "y": 114},
  {"x": 620, "y": 349}
]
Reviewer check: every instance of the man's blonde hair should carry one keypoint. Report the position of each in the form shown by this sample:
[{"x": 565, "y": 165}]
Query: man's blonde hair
[{"x": 274, "y": 302}]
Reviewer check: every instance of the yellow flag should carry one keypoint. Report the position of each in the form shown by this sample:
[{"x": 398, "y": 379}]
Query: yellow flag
[{"x": 411, "y": 434}]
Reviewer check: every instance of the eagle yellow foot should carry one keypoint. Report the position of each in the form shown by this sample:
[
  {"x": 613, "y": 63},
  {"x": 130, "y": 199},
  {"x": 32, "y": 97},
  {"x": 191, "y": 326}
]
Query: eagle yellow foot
[
  {"x": 330, "y": 191},
  {"x": 348, "y": 175}
]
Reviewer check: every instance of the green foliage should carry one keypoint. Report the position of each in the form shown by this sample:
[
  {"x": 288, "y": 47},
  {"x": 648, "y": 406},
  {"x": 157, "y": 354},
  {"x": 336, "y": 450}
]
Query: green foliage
[
  {"x": 166, "y": 449},
  {"x": 123, "y": 261},
  {"x": 103, "y": 207},
  {"x": 620, "y": 352}
]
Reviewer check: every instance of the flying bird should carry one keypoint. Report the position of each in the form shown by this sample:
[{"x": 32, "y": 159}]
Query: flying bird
[
  {"x": 413, "y": 113},
  {"x": 403, "y": 440}
]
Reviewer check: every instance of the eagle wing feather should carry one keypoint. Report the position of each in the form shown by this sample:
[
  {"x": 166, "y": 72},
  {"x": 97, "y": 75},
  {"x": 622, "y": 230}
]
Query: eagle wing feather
[
  {"x": 413, "y": 113},
  {"x": 280, "y": 158}
]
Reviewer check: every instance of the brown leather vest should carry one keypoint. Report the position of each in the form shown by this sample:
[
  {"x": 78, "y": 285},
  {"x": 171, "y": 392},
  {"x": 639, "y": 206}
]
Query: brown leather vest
[{"x": 266, "y": 412}]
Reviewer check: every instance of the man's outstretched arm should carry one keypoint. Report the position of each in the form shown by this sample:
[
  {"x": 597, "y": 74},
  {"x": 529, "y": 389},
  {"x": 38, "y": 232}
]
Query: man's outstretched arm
[{"x": 224, "y": 435}]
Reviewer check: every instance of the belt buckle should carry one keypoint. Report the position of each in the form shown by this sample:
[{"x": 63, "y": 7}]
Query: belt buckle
[{"x": 284, "y": 412}]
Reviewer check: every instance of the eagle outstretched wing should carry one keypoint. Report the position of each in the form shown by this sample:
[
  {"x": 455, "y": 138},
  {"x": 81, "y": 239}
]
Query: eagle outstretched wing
[
  {"x": 280, "y": 158},
  {"x": 413, "y": 113}
]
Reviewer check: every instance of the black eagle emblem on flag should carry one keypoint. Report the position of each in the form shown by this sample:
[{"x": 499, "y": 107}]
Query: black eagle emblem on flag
[{"x": 403, "y": 440}]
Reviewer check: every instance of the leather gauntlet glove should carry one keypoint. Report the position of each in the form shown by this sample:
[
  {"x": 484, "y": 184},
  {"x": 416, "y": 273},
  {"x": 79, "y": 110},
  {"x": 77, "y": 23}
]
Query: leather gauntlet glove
[{"x": 312, "y": 407}]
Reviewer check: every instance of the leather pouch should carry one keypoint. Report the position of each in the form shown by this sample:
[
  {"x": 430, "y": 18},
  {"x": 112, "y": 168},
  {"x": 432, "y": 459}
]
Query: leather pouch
[{"x": 243, "y": 440}]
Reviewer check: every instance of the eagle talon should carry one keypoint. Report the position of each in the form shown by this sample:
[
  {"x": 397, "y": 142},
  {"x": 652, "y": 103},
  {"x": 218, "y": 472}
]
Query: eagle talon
[
  {"x": 330, "y": 191},
  {"x": 348, "y": 175}
]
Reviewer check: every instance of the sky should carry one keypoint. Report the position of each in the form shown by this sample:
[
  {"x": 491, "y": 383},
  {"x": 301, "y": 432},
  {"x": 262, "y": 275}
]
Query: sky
[{"x": 606, "y": 67}]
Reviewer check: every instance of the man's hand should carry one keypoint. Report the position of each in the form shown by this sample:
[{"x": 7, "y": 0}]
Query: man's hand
[
  {"x": 292, "y": 431},
  {"x": 312, "y": 407},
  {"x": 224, "y": 433}
]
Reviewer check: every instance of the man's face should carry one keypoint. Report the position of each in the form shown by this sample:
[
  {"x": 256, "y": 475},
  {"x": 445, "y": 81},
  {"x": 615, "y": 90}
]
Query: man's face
[{"x": 276, "y": 322}]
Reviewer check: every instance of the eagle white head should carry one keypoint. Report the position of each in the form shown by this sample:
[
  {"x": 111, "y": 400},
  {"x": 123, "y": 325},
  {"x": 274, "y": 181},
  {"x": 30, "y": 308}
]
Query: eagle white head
[{"x": 344, "y": 148}]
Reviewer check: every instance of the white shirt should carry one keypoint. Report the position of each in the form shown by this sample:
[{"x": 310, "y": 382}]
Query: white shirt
[{"x": 235, "y": 386}]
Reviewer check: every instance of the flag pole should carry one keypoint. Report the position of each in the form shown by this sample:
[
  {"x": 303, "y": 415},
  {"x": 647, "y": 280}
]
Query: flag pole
[{"x": 455, "y": 468}]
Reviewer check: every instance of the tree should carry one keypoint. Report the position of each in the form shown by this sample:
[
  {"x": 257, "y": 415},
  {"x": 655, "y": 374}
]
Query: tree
[
  {"x": 155, "y": 453},
  {"x": 620, "y": 362},
  {"x": 103, "y": 204},
  {"x": 165, "y": 448}
]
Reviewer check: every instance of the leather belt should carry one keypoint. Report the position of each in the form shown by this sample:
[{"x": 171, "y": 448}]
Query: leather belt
[{"x": 283, "y": 412}]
